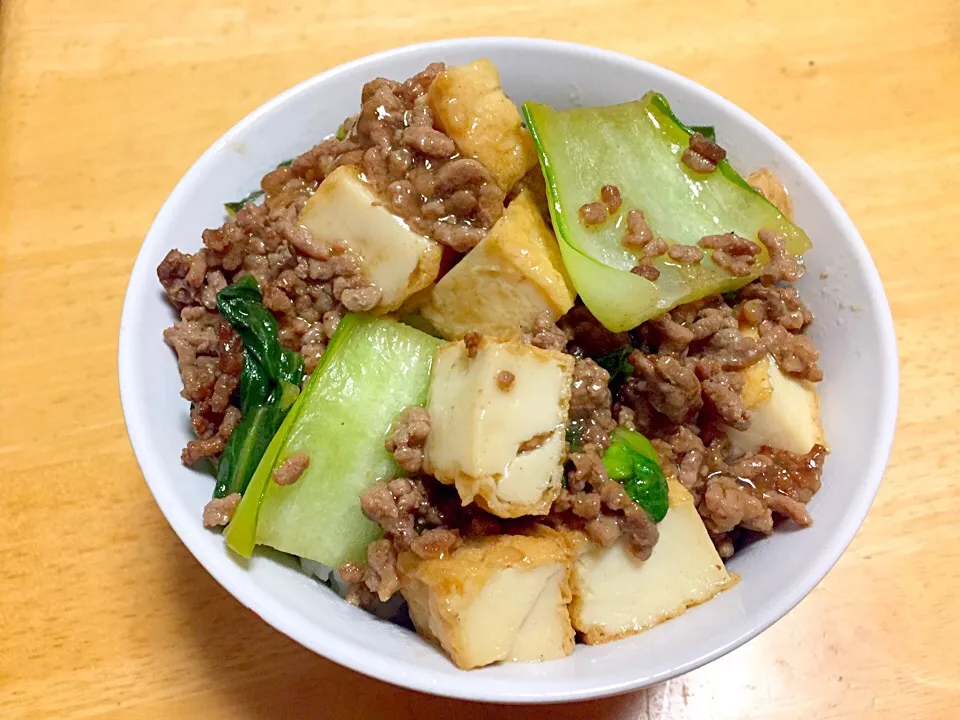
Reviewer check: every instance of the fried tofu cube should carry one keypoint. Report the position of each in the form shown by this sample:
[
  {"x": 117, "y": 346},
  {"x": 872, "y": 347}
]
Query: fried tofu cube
[
  {"x": 498, "y": 423},
  {"x": 615, "y": 595},
  {"x": 395, "y": 259},
  {"x": 470, "y": 106},
  {"x": 500, "y": 598},
  {"x": 784, "y": 411},
  {"x": 513, "y": 275},
  {"x": 772, "y": 189}
]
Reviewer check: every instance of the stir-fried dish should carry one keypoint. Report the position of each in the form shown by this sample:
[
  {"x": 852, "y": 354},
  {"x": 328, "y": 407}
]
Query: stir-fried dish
[{"x": 538, "y": 373}]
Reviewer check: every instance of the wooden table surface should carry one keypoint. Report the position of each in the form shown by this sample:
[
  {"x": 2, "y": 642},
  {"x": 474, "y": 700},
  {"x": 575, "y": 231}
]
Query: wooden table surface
[{"x": 103, "y": 106}]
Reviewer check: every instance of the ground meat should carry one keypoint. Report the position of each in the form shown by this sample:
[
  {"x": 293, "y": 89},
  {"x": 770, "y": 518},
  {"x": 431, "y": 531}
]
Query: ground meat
[
  {"x": 591, "y": 404},
  {"x": 635, "y": 523},
  {"x": 729, "y": 349},
  {"x": 210, "y": 357},
  {"x": 435, "y": 542},
  {"x": 788, "y": 507},
  {"x": 505, "y": 380},
  {"x": 586, "y": 469},
  {"x": 732, "y": 253},
  {"x": 776, "y": 303},
  {"x": 428, "y": 141},
  {"x": 702, "y": 155},
  {"x": 406, "y": 507},
  {"x": 210, "y": 446},
  {"x": 724, "y": 544},
  {"x": 291, "y": 469},
  {"x": 638, "y": 232},
  {"x": 648, "y": 272},
  {"x": 697, "y": 162},
  {"x": 683, "y": 456},
  {"x": 797, "y": 476},
  {"x": 727, "y": 504},
  {"x": 601, "y": 508},
  {"x": 219, "y": 511},
  {"x": 361, "y": 299},
  {"x": 674, "y": 337},
  {"x": 783, "y": 265},
  {"x": 393, "y": 507},
  {"x": 707, "y": 148},
  {"x": 586, "y": 505},
  {"x": 711, "y": 320},
  {"x": 351, "y": 573},
  {"x": 408, "y": 438},
  {"x": 688, "y": 471},
  {"x": 795, "y": 354},
  {"x": 685, "y": 254},
  {"x": 721, "y": 393},
  {"x": 604, "y": 530},
  {"x": 461, "y": 238},
  {"x": 655, "y": 248},
  {"x": 472, "y": 341},
  {"x": 673, "y": 388},
  {"x": 747, "y": 493},
  {"x": 380, "y": 576},
  {"x": 172, "y": 272},
  {"x": 587, "y": 336},
  {"x": 545, "y": 334},
  {"x": 593, "y": 213},
  {"x": 610, "y": 194}
]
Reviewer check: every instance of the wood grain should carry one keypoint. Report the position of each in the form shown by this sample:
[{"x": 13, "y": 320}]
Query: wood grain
[{"x": 103, "y": 106}]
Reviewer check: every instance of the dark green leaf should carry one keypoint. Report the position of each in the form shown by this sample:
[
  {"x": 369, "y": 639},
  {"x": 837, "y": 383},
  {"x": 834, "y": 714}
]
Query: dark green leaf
[
  {"x": 575, "y": 435},
  {"x": 291, "y": 367},
  {"x": 707, "y": 131},
  {"x": 285, "y": 163},
  {"x": 256, "y": 325},
  {"x": 244, "y": 449},
  {"x": 617, "y": 364},
  {"x": 254, "y": 384},
  {"x": 233, "y": 207},
  {"x": 269, "y": 383}
]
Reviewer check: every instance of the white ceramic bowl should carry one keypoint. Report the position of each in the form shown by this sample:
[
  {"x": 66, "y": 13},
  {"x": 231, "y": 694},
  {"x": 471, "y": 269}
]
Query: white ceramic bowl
[{"x": 854, "y": 332}]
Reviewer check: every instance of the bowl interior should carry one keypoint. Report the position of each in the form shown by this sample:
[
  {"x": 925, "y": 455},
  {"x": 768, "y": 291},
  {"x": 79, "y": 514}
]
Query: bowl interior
[{"x": 853, "y": 331}]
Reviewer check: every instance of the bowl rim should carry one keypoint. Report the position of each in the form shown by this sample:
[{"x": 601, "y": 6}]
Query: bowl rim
[{"x": 370, "y": 663}]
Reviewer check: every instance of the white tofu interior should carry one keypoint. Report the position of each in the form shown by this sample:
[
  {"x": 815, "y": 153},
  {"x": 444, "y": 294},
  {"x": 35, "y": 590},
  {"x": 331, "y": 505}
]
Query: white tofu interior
[
  {"x": 503, "y": 598},
  {"x": 515, "y": 617},
  {"x": 784, "y": 412},
  {"x": 395, "y": 259},
  {"x": 478, "y": 427},
  {"x": 616, "y": 595}
]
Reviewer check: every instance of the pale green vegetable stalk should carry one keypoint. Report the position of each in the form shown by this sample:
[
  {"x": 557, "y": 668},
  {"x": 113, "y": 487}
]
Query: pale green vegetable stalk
[
  {"x": 637, "y": 146},
  {"x": 373, "y": 368}
]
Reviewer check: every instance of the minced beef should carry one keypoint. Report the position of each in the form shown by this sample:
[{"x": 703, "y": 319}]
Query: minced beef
[
  {"x": 672, "y": 387},
  {"x": 733, "y": 253},
  {"x": 408, "y": 438},
  {"x": 545, "y": 334},
  {"x": 412, "y": 163},
  {"x": 600, "y": 507},
  {"x": 591, "y": 403},
  {"x": 219, "y": 511},
  {"x": 307, "y": 284},
  {"x": 210, "y": 357},
  {"x": 291, "y": 469},
  {"x": 686, "y": 390}
]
